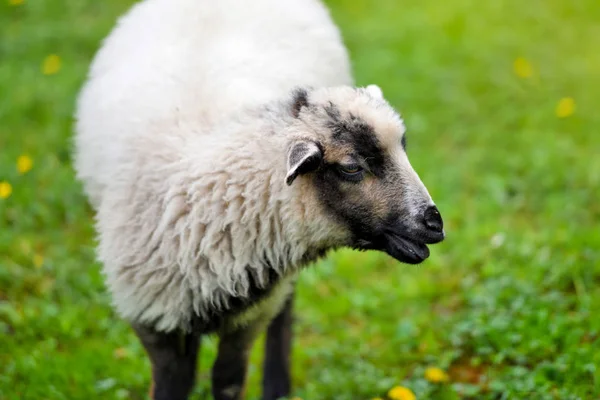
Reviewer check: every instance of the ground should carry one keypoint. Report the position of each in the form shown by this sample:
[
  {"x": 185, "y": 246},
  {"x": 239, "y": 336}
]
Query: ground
[{"x": 501, "y": 102}]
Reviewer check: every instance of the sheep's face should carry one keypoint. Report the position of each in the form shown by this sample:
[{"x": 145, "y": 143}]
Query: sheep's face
[{"x": 351, "y": 149}]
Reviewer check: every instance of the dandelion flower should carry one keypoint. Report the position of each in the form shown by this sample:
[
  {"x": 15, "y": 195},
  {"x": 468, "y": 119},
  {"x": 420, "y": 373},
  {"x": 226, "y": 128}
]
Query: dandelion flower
[
  {"x": 565, "y": 107},
  {"x": 24, "y": 164},
  {"x": 436, "y": 375},
  {"x": 38, "y": 261},
  {"x": 15, "y": 2},
  {"x": 522, "y": 68},
  {"x": 5, "y": 190},
  {"x": 120, "y": 353},
  {"x": 51, "y": 65},
  {"x": 401, "y": 393}
]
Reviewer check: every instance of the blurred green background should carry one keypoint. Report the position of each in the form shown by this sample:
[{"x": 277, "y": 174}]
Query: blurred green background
[{"x": 501, "y": 102}]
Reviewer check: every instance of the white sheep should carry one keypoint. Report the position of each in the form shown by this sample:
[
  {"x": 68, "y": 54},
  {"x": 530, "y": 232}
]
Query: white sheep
[{"x": 223, "y": 148}]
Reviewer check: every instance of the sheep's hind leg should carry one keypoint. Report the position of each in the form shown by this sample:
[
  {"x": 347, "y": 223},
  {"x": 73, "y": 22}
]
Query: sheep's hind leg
[
  {"x": 276, "y": 378},
  {"x": 173, "y": 356}
]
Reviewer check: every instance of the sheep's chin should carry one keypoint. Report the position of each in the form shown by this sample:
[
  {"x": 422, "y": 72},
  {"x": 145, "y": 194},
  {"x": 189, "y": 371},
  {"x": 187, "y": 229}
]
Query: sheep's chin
[
  {"x": 400, "y": 247},
  {"x": 406, "y": 250}
]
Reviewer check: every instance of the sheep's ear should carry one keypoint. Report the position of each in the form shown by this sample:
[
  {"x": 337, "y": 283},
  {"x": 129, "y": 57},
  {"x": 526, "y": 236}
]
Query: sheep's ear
[
  {"x": 375, "y": 91},
  {"x": 299, "y": 100},
  {"x": 303, "y": 157}
]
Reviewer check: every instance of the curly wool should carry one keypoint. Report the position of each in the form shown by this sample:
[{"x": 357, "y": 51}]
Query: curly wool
[{"x": 171, "y": 148}]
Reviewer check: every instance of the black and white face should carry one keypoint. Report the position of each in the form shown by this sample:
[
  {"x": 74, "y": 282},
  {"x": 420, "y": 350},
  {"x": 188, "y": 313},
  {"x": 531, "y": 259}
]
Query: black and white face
[{"x": 359, "y": 168}]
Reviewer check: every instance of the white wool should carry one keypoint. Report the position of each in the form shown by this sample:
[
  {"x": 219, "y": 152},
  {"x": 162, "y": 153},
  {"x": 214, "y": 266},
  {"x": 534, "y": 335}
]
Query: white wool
[
  {"x": 375, "y": 91},
  {"x": 177, "y": 174}
]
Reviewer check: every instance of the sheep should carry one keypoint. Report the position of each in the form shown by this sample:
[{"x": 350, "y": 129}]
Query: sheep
[{"x": 223, "y": 150}]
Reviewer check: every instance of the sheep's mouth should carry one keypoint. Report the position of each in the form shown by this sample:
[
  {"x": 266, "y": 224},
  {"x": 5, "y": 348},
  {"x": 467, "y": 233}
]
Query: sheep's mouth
[{"x": 405, "y": 249}]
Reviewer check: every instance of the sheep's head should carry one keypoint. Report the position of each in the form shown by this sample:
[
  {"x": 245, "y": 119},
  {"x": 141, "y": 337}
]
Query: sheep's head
[{"x": 349, "y": 147}]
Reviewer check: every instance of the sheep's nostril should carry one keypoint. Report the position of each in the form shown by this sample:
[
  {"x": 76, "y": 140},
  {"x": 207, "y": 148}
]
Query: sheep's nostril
[{"x": 433, "y": 219}]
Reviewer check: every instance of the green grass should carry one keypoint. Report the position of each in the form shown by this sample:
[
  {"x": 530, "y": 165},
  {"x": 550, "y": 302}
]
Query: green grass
[{"x": 508, "y": 305}]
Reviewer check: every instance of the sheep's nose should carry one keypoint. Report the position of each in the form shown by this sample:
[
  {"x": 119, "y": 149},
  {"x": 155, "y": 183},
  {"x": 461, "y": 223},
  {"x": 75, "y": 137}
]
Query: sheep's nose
[{"x": 433, "y": 220}]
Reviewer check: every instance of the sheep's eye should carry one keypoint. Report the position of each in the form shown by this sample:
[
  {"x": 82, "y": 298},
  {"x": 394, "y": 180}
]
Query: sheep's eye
[
  {"x": 352, "y": 172},
  {"x": 351, "y": 169}
]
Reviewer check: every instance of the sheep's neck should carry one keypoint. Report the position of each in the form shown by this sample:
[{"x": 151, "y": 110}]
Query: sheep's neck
[{"x": 247, "y": 215}]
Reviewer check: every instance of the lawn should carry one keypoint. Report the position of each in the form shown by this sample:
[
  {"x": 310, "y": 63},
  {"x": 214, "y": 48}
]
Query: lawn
[{"x": 501, "y": 102}]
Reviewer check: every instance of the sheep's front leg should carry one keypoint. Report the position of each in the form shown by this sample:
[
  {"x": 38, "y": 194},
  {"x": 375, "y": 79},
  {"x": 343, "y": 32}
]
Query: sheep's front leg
[
  {"x": 231, "y": 365},
  {"x": 276, "y": 378},
  {"x": 173, "y": 356}
]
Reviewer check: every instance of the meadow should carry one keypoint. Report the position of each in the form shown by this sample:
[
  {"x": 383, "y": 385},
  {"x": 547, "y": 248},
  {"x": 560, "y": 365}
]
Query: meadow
[{"x": 500, "y": 98}]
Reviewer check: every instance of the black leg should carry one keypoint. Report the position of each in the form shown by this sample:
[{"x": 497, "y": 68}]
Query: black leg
[
  {"x": 230, "y": 367},
  {"x": 173, "y": 356},
  {"x": 276, "y": 378}
]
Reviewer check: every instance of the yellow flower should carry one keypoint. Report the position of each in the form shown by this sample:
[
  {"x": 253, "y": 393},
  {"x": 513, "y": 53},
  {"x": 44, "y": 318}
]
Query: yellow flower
[
  {"x": 522, "y": 68},
  {"x": 376, "y": 398},
  {"x": 24, "y": 164},
  {"x": 38, "y": 260},
  {"x": 51, "y": 65},
  {"x": 401, "y": 393},
  {"x": 436, "y": 375},
  {"x": 565, "y": 107},
  {"x": 15, "y": 2},
  {"x": 5, "y": 190},
  {"x": 121, "y": 353}
]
